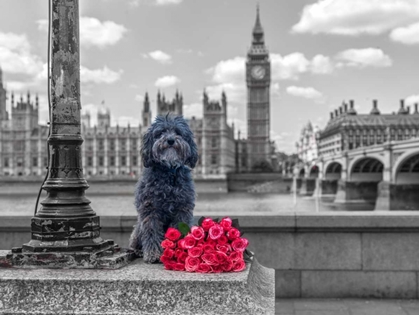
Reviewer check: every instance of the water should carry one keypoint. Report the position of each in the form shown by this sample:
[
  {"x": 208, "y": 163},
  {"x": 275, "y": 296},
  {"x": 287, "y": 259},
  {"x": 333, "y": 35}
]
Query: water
[{"x": 207, "y": 203}]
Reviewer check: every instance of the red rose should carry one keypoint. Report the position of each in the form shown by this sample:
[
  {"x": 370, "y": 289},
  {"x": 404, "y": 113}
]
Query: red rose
[
  {"x": 197, "y": 232},
  {"x": 178, "y": 252},
  {"x": 235, "y": 256},
  {"x": 233, "y": 234},
  {"x": 207, "y": 248},
  {"x": 207, "y": 224},
  {"x": 165, "y": 259},
  {"x": 182, "y": 257},
  {"x": 209, "y": 259},
  {"x": 169, "y": 265},
  {"x": 168, "y": 253},
  {"x": 189, "y": 241},
  {"x": 191, "y": 263},
  {"x": 181, "y": 243},
  {"x": 172, "y": 234},
  {"x": 240, "y": 244},
  {"x": 178, "y": 267},
  {"x": 203, "y": 268},
  {"x": 195, "y": 252},
  {"x": 167, "y": 244},
  {"x": 223, "y": 248},
  {"x": 220, "y": 257},
  {"x": 227, "y": 265},
  {"x": 217, "y": 268},
  {"x": 215, "y": 232},
  {"x": 226, "y": 223},
  {"x": 238, "y": 266},
  {"x": 222, "y": 240}
]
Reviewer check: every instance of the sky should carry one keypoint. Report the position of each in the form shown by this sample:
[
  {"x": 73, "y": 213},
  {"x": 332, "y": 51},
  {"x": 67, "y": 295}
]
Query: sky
[{"x": 322, "y": 53}]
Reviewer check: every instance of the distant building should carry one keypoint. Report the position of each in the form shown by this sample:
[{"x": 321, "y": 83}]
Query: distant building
[
  {"x": 23, "y": 147},
  {"x": 348, "y": 130},
  {"x": 307, "y": 146}
]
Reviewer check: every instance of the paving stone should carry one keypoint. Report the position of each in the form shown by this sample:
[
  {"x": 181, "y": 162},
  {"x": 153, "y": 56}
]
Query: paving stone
[
  {"x": 400, "y": 249},
  {"x": 337, "y": 251},
  {"x": 320, "y": 305}
]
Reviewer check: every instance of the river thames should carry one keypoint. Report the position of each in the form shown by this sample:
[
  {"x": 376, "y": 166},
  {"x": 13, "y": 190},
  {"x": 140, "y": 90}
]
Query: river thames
[{"x": 207, "y": 203}]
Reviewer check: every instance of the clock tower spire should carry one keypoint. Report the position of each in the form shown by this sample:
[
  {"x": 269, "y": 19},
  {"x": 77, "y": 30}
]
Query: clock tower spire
[{"x": 258, "y": 79}]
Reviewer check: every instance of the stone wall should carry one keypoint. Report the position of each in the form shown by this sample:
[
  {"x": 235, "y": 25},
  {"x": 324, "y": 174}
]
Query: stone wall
[{"x": 319, "y": 255}]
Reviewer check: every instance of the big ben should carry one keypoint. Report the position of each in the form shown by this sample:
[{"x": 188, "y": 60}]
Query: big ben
[{"x": 258, "y": 79}]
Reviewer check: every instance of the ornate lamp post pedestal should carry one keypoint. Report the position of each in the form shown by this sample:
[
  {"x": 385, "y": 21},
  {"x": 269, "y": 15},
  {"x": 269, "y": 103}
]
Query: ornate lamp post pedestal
[{"x": 66, "y": 230}]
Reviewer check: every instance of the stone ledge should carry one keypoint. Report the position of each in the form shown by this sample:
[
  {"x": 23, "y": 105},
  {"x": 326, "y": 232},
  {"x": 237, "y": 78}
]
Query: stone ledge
[
  {"x": 339, "y": 221},
  {"x": 137, "y": 289}
]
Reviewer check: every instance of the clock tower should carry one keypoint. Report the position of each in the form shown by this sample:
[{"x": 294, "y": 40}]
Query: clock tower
[{"x": 258, "y": 79}]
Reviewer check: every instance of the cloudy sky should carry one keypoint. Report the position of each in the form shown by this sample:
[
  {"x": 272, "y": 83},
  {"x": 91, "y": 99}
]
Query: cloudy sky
[{"x": 322, "y": 52}]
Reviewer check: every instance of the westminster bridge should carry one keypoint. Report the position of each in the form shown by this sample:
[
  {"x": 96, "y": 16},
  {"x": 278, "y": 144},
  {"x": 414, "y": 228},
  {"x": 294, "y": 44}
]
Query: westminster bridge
[{"x": 386, "y": 174}]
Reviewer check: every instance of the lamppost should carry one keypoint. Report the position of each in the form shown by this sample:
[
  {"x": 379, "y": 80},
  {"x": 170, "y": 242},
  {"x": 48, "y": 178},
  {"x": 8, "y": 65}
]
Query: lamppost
[{"x": 66, "y": 230}]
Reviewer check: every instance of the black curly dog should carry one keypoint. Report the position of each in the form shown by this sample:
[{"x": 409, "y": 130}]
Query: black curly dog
[{"x": 165, "y": 193}]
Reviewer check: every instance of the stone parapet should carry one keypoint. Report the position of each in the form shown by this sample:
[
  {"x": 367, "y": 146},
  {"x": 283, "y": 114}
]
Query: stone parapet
[
  {"x": 358, "y": 247},
  {"x": 139, "y": 289}
]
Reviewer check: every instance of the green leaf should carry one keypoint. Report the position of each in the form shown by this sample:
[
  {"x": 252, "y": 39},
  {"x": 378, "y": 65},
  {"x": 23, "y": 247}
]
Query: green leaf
[
  {"x": 200, "y": 221},
  {"x": 183, "y": 228}
]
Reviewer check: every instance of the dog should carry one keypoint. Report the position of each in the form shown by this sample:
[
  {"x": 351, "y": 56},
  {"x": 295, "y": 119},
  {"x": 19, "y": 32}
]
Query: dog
[{"x": 165, "y": 193}]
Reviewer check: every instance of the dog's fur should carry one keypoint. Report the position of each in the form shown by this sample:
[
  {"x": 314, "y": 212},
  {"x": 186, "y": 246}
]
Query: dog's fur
[{"x": 165, "y": 193}]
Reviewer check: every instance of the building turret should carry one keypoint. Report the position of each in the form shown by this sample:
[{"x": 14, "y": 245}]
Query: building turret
[
  {"x": 352, "y": 111},
  {"x": 28, "y": 98},
  {"x": 375, "y": 110},
  {"x": 402, "y": 110},
  {"x": 146, "y": 113},
  {"x": 258, "y": 32}
]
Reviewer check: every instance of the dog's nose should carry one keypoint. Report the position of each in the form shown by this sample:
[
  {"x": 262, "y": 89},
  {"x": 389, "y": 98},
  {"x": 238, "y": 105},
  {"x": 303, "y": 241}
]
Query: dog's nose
[{"x": 171, "y": 141}]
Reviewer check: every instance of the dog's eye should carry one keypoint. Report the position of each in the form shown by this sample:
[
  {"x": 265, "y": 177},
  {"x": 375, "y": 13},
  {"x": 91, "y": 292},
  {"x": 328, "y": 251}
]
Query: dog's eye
[
  {"x": 158, "y": 134},
  {"x": 178, "y": 132}
]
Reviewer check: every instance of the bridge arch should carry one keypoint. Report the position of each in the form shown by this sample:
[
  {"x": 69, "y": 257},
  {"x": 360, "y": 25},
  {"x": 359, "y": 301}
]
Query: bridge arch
[
  {"x": 406, "y": 169},
  {"x": 333, "y": 170},
  {"x": 302, "y": 172},
  {"x": 366, "y": 169},
  {"x": 314, "y": 171}
]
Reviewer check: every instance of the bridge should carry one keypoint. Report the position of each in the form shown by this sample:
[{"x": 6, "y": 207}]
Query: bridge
[{"x": 385, "y": 174}]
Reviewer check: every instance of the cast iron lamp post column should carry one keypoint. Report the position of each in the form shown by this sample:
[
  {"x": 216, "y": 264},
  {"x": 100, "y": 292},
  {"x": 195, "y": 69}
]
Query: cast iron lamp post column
[{"x": 65, "y": 231}]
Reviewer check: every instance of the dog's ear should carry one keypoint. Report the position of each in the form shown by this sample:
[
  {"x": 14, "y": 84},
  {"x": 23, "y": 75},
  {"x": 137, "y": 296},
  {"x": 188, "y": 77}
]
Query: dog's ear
[
  {"x": 146, "y": 148},
  {"x": 193, "y": 158}
]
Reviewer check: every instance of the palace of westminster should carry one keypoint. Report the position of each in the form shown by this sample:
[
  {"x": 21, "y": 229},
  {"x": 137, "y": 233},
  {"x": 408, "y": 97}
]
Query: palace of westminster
[{"x": 114, "y": 151}]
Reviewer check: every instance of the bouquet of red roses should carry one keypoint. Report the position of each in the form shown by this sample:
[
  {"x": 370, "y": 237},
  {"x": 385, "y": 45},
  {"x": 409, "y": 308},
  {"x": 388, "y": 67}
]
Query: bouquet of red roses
[{"x": 210, "y": 247}]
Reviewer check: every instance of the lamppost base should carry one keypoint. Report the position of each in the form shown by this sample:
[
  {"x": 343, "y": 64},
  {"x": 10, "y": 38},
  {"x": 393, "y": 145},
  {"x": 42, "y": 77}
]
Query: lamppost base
[{"x": 112, "y": 257}]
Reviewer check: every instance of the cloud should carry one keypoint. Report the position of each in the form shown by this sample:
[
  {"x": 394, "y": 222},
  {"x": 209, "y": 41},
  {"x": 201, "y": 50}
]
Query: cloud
[
  {"x": 104, "y": 75},
  {"x": 16, "y": 56},
  {"x": 356, "y": 17},
  {"x": 194, "y": 109},
  {"x": 412, "y": 99},
  {"x": 166, "y": 2},
  {"x": 408, "y": 35},
  {"x": 231, "y": 70},
  {"x": 93, "y": 32},
  {"x": 289, "y": 67},
  {"x": 362, "y": 58},
  {"x": 306, "y": 92},
  {"x": 159, "y": 56},
  {"x": 167, "y": 81}
]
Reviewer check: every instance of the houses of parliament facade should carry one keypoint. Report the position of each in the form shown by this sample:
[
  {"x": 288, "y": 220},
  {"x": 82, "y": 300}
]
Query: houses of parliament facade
[{"x": 114, "y": 150}]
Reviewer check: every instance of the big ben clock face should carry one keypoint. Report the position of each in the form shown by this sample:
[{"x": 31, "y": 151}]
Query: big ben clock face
[{"x": 258, "y": 72}]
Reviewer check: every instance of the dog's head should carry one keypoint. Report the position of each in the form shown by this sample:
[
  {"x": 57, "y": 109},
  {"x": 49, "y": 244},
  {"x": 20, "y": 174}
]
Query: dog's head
[{"x": 169, "y": 142}]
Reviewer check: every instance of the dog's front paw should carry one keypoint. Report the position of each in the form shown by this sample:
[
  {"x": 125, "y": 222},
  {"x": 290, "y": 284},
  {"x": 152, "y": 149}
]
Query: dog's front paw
[{"x": 152, "y": 257}]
